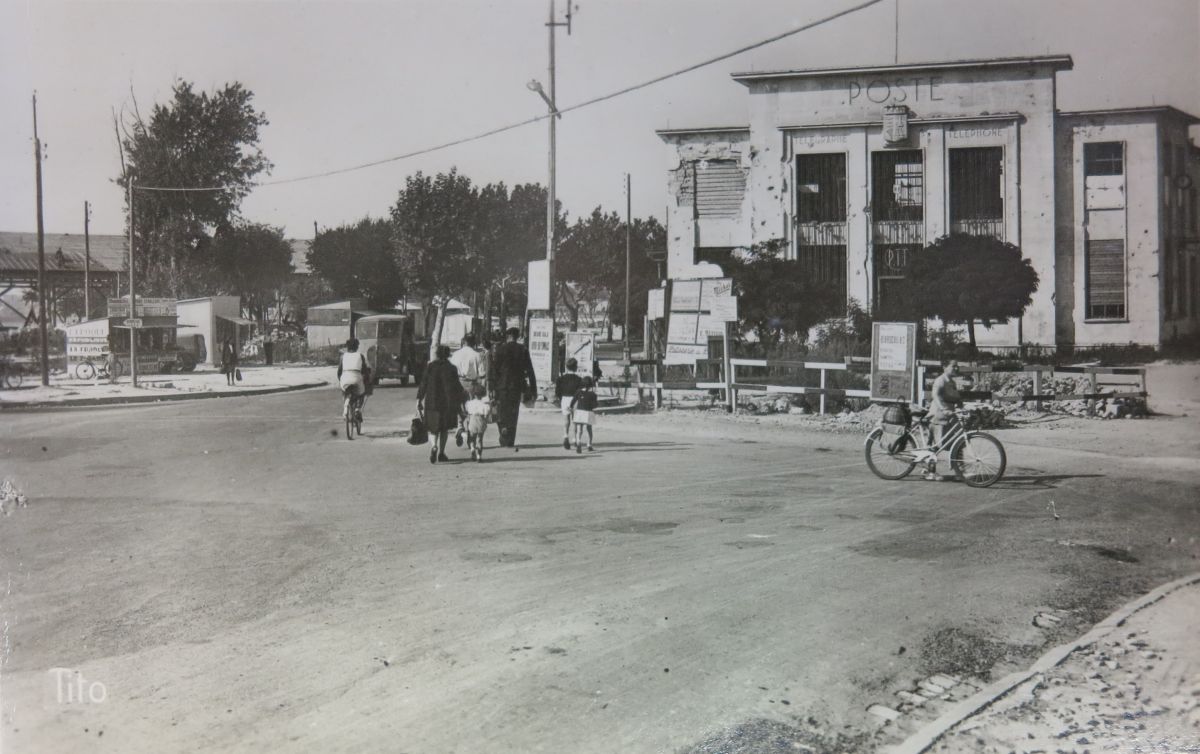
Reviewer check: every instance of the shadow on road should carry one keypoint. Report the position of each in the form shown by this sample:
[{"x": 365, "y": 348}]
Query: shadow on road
[{"x": 1045, "y": 481}]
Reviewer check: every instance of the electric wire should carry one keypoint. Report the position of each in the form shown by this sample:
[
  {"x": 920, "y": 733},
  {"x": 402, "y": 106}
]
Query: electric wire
[{"x": 529, "y": 121}]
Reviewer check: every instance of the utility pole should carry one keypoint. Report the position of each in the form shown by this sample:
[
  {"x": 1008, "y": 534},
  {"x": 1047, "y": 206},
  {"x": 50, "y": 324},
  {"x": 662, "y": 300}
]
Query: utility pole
[
  {"x": 628, "y": 244},
  {"x": 551, "y": 102},
  {"x": 87, "y": 265},
  {"x": 132, "y": 296},
  {"x": 41, "y": 248}
]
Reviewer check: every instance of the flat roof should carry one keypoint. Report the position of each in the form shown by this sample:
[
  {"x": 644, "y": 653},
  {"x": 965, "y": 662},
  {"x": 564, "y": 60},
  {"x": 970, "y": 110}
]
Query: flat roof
[
  {"x": 1058, "y": 62},
  {"x": 704, "y": 130},
  {"x": 1144, "y": 110}
]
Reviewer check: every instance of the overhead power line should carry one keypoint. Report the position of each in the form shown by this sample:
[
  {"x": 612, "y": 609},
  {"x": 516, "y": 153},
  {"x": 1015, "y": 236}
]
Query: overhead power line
[{"x": 538, "y": 118}]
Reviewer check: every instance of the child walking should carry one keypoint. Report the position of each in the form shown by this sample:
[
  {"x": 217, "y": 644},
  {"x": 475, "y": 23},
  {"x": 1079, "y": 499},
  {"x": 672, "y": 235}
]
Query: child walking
[
  {"x": 583, "y": 407},
  {"x": 478, "y": 409},
  {"x": 565, "y": 388}
]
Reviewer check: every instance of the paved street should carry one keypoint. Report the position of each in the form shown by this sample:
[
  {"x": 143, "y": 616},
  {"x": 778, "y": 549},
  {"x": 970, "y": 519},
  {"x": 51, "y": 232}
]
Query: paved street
[{"x": 237, "y": 575}]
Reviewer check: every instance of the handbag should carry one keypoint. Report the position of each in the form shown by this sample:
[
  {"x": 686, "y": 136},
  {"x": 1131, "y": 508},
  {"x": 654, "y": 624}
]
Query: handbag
[
  {"x": 417, "y": 432},
  {"x": 237, "y": 375}
]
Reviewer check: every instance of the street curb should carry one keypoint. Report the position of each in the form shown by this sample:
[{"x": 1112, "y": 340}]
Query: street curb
[
  {"x": 926, "y": 737},
  {"x": 137, "y": 399}
]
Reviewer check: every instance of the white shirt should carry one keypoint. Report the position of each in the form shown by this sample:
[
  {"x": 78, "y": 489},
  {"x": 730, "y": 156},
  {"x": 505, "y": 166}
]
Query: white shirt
[
  {"x": 353, "y": 361},
  {"x": 478, "y": 407},
  {"x": 469, "y": 363}
]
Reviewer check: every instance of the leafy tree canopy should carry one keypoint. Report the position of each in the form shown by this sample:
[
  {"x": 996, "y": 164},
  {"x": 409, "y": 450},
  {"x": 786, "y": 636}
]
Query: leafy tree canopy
[
  {"x": 961, "y": 278},
  {"x": 777, "y": 299},
  {"x": 198, "y": 140},
  {"x": 358, "y": 261},
  {"x": 251, "y": 261}
]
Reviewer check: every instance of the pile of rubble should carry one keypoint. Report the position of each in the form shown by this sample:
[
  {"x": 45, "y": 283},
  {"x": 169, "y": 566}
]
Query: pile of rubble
[
  {"x": 1020, "y": 384},
  {"x": 11, "y": 497}
]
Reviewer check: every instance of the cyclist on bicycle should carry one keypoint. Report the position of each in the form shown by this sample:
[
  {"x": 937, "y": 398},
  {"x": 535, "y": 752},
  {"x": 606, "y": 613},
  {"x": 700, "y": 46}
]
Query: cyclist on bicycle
[
  {"x": 941, "y": 410},
  {"x": 353, "y": 371}
]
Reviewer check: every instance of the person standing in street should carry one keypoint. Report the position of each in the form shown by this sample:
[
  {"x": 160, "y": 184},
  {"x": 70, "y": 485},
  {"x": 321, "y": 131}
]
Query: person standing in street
[
  {"x": 513, "y": 380},
  {"x": 229, "y": 361},
  {"x": 440, "y": 400},
  {"x": 472, "y": 372},
  {"x": 565, "y": 387},
  {"x": 941, "y": 410}
]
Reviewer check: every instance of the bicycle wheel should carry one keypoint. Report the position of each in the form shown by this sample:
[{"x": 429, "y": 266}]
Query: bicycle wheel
[
  {"x": 15, "y": 377},
  {"x": 118, "y": 369},
  {"x": 86, "y": 370},
  {"x": 978, "y": 459},
  {"x": 884, "y": 463}
]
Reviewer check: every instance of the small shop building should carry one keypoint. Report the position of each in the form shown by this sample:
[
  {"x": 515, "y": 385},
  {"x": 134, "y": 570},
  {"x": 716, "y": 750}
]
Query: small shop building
[
  {"x": 854, "y": 169},
  {"x": 208, "y": 322}
]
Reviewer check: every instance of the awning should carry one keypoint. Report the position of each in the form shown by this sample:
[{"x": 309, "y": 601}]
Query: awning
[{"x": 238, "y": 321}]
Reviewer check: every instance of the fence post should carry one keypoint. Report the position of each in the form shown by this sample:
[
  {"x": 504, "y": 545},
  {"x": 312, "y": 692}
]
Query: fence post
[
  {"x": 1037, "y": 389},
  {"x": 657, "y": 387},
  {"x": 727, "y": 368},
  {"x": 822, "y": 405},
  {"x": 921, "y": 385},
  {"x": 1092, "y": 388}
]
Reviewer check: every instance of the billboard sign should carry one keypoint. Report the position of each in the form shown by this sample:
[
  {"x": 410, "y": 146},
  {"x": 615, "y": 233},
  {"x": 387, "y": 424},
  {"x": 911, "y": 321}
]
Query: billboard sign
[
  {"x": 893, "y": 361},
  {"x": 541, "y": 349}
]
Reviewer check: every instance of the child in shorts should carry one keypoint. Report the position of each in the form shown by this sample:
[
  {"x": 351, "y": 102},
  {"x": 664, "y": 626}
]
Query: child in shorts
[
  {"x": 478, "y": 409},
  {"x": 564, "y": 392},
  {"x": 583, "y": 407}
]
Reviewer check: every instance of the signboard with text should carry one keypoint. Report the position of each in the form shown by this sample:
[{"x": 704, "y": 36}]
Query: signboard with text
[
  {"x": 581, "y": 346},
  {"x": 146, "y": 307},
  {"x": 541, "y": 349},
  {"x": 893, "y": 361},
  {"x": 699, "y": 310},
  {"x": 539, "y": 285}
]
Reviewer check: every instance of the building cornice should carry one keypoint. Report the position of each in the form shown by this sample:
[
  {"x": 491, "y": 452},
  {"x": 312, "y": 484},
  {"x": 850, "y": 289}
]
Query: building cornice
[{"x": 1057, "y": 62}]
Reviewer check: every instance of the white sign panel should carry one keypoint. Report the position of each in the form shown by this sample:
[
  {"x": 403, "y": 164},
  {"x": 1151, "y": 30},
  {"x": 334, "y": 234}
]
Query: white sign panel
[
  {"x": 581, "y": 346},
  {"x": 684, "y": 353},
  {"x": 893, "y": 361},
  {"x": 893, "y": 348},
  {"x": 539, "y": 286},
  {"x": 655, "y": 303},
  {"x": 541, "y": 348},
  {"x": 685, "y": 296}
]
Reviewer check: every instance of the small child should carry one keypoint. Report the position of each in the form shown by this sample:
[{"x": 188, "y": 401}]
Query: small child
[
  {"x": 583, "y": 406},
  {"x": 478, "y": 408},
  {"x": 565, "y": 388}
]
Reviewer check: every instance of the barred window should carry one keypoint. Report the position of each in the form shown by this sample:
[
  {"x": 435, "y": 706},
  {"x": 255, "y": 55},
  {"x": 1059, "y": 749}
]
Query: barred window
[{"x": 821, "y": 187}]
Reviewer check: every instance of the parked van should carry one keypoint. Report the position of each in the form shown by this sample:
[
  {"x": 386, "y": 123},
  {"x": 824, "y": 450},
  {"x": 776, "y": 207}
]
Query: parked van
[{"x": 391, "y": 351}]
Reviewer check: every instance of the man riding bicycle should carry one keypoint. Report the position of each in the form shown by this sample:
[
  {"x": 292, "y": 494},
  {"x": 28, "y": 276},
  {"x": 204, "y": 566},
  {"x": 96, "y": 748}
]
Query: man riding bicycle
[
  {"x": 353, "y": 372},
  {"x": 941, "y": 411}
]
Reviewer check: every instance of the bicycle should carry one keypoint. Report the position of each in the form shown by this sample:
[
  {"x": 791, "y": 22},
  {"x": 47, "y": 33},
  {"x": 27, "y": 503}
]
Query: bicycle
[
  {"x": 352, "y": 404},
  {"x": 894, "y": 450},
  {"x": 87, "y": 369},
  {"x": 11, "y": 374}
]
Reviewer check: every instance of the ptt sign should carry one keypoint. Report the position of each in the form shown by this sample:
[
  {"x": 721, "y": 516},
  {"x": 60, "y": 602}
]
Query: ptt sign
[{"x": 893, "y": 91}]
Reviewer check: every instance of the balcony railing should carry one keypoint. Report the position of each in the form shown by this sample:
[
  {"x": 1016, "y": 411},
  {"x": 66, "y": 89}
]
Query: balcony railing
[
  {"x": 991, "y": 226},
  {"x": 899, "y": 232},
  {"x": 821, "y": 233}
]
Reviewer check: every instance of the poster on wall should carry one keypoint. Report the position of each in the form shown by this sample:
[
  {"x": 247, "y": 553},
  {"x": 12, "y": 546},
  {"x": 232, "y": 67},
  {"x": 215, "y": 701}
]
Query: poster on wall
[
  {"x": 699, "y": 310},
  {"x": 541, "y": 349},
  {"x": 893, "y": 361},
  {"x": 581, "y": 346}
]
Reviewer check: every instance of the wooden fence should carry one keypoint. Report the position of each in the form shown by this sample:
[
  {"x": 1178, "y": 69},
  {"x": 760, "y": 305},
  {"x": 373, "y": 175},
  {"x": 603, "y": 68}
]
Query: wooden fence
[{"x": 716, "y": 374}]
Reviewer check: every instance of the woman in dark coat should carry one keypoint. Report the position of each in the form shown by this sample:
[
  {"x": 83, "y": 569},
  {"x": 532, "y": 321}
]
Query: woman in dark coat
[
  {"x": 439, "y": 399},
  {"x": 228, "y": 361}
]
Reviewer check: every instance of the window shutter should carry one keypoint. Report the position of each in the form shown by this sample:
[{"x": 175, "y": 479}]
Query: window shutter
[
  {"x": 721, "y": 184},
  {"x": 1106, "y": 278}
]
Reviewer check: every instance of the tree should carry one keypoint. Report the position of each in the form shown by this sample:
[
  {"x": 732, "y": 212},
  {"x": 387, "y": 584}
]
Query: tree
[
  {"x": 198, "y": 141},
  {"x": 961, "y": 278},
  {"x": 592, "y": 256},
  {"x": 303, "y": 291},
  {"x": 253, "y": 261},
  {"x": 440, "y": 240},
  {"x": 359, "y": 261},
  {"x": 777, "y": 300}
]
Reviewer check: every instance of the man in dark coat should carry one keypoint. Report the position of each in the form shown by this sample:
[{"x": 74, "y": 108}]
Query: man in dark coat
[
  {"x": 512, "y": 380},
  {"x": 439, "y": 399}
]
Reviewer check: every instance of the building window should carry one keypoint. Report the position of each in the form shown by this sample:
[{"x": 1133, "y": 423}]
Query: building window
[
  {"x": 977, "y": 191},
  {"x": 718, "y": 255},
  {"x": 897, "y": 185},
  {"x": 826, "y": 265},
  {"x": 721, "y": 184},
  {"x": 821, "y": 188},
  {"x": 1105, "y": 279},
  {"x": 1104, "y": 158}
]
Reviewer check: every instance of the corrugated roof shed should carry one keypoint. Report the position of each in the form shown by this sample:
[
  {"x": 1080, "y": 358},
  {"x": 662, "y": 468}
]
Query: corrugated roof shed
[{"x": 18, "y": 252}]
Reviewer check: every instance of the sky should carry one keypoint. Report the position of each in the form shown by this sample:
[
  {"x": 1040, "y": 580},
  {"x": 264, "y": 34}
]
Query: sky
[{"x": 351, "y": 82}]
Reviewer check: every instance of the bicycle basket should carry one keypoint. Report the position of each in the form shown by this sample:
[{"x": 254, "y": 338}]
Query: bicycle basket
[{"x": 898, "y": 417}]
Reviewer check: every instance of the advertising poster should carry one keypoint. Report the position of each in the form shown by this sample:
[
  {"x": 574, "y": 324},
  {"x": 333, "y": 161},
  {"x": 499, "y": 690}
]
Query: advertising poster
[
  {"x": 541, "y": 349},
  {"x": 893, "y": 361},
  {"x": 581, "y": 346}
]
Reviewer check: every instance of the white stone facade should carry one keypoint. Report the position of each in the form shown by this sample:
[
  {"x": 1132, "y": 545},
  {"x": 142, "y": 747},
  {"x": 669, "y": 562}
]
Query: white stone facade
[{"x": 985, "y": 151}]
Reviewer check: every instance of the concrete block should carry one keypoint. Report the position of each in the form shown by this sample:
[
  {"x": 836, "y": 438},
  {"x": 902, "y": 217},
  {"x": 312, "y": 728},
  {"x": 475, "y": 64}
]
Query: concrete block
[{"x": 886, "y": 714}]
